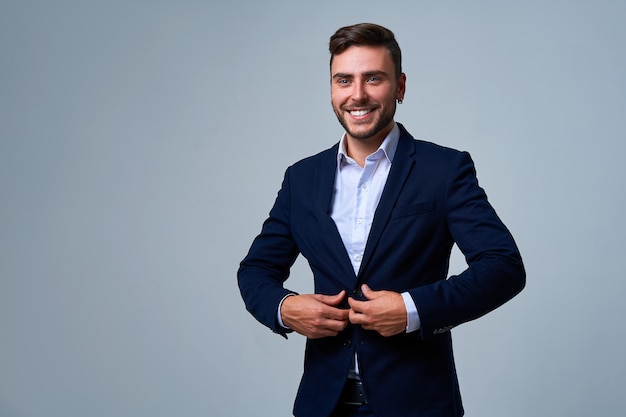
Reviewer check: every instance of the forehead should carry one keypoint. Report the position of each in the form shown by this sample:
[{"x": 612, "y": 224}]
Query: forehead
[{"x": 359, "y": 59}]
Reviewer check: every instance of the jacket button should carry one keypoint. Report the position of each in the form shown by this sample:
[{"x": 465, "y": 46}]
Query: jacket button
[
  {"x": 347, "y": 343},
  {"x": 357, "y": 293}
]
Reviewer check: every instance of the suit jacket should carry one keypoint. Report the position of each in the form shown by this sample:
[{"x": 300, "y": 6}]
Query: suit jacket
[{"x": 430, "y": 201}]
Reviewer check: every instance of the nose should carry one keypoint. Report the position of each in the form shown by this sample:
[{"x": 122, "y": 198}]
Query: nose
[{"x": 359, "y": 94}]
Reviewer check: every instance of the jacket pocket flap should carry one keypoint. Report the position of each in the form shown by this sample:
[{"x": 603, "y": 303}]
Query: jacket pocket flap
[{"x": 413, "y": 209}]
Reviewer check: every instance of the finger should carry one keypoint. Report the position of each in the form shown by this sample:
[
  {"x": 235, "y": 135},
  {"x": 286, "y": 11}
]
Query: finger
[
  {"x": 355, "y": 318},
  {"x": 361, "y": 319},
  {"x": 340, "y": 314},
  {"x": 324, "y": 327},
  {"x": 356, "y": 305},
  {"x": 336, "y": 325},
  {"x": 318, "y": 334}
]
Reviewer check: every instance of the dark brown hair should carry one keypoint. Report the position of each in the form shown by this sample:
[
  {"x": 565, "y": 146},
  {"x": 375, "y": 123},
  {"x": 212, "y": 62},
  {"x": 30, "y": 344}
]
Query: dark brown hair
[{"x": 366, "y": 34}]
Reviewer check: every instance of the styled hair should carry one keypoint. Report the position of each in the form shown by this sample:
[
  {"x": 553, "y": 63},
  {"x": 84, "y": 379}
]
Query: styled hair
[{"x": 366, "y": 34}]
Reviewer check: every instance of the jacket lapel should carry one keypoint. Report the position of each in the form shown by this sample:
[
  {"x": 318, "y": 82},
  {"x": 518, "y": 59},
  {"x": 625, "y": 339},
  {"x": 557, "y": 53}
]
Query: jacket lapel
[
  {"x": 399, "y": 172},
  {"x": 324, "y": 186}
]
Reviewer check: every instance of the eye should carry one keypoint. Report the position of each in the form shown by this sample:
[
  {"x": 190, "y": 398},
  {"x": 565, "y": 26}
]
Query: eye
[{"x": 373, "y": 79}]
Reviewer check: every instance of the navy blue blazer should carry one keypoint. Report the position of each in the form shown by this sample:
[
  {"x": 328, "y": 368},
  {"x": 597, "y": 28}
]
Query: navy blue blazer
[{"x": 431, "y": 200}]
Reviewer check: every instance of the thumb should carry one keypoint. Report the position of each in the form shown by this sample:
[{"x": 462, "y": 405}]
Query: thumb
[
  {"x": 332, "y": 299},
  {"x": 368, "y": 292}
]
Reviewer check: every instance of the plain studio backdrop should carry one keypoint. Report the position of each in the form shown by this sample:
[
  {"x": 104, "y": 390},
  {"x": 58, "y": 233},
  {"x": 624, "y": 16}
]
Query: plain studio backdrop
[{"x": 142, "y": 144}]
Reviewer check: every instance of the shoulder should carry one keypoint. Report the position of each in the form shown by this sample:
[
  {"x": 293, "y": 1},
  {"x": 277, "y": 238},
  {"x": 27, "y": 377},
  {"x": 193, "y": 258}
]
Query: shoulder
[
  {"x": 423, "y": 150},
  {"x": 431, "y": 148}
]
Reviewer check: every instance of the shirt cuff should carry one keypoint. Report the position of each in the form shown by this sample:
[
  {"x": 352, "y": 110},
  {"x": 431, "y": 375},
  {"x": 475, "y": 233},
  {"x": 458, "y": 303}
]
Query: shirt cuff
[
  {"x": 280, "y": 319},
  {"x": 413, "y": 322}
]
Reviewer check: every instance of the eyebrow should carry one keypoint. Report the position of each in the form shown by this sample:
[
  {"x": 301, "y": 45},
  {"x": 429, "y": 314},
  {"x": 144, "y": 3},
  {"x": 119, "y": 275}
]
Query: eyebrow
[{"x": 365, "y": 74}]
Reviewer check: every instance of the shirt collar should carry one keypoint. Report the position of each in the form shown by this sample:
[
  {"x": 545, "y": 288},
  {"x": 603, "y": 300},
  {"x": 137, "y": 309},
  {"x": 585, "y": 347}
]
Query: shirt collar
[{"x": 388, "y": 147}]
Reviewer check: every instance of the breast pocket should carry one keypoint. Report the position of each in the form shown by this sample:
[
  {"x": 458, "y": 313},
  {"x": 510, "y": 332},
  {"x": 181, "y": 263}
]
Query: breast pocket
[{"x": 413, "y": 209}]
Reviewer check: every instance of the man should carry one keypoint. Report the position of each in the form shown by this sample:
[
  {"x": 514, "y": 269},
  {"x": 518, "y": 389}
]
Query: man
[{"x": 376, "y": 217}]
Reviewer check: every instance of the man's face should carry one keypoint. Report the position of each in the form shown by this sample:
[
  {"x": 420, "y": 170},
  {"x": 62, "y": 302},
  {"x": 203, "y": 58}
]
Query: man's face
[{"x": 364, "y": 90}]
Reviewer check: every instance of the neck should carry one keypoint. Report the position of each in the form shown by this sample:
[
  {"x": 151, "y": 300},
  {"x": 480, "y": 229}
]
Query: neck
[{"x": 360, "y": 148}]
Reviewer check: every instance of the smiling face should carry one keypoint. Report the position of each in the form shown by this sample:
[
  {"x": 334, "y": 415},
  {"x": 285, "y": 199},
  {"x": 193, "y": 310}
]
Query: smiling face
[{"x": 364, "y": 90}]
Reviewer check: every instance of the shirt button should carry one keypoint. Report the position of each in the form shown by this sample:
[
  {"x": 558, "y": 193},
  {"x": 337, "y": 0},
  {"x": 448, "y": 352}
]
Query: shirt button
[
  {"x": 357, "y": 258},
  {"x": 359, "y": 221}
]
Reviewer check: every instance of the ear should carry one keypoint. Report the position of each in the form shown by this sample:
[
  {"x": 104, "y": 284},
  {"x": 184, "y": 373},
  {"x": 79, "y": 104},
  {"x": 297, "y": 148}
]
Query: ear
[{"x": 401, "y": 87}]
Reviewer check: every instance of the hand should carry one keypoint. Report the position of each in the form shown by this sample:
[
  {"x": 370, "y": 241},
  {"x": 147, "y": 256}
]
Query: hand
[
  {"x": 315, "y": 315},
  {"x": 383, "y": 311}
]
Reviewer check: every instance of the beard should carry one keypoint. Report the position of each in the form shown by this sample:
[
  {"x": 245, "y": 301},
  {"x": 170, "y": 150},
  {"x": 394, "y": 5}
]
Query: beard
[{"x": 368, "y": 129}]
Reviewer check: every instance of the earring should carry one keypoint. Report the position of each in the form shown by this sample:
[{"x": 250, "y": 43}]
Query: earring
[{"x": 399, "y": 101}]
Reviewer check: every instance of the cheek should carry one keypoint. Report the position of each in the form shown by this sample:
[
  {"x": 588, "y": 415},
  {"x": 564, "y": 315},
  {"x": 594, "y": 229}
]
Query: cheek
[
  {"x": 336, "y": 100},
  {"x": 339, "y": 95}
]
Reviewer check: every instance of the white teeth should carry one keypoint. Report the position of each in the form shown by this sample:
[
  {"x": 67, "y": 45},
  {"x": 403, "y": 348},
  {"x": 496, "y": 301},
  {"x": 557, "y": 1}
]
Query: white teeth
[{"x": 359, "y": 113}]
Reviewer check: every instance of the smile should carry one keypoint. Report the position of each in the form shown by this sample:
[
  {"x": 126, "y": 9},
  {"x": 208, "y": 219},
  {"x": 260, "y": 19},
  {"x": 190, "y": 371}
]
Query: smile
[{"x": 359, "y": 113}]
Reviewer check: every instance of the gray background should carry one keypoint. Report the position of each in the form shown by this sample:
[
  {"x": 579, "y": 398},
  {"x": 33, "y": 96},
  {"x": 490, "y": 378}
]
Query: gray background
[{"x": 142, "y": 144}]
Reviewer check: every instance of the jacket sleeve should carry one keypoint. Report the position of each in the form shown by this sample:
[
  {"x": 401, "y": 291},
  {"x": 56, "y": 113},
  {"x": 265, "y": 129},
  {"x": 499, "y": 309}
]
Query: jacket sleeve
[
  {"x": 263, "y": 271},
  {"x": 495, "y": 272}
]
